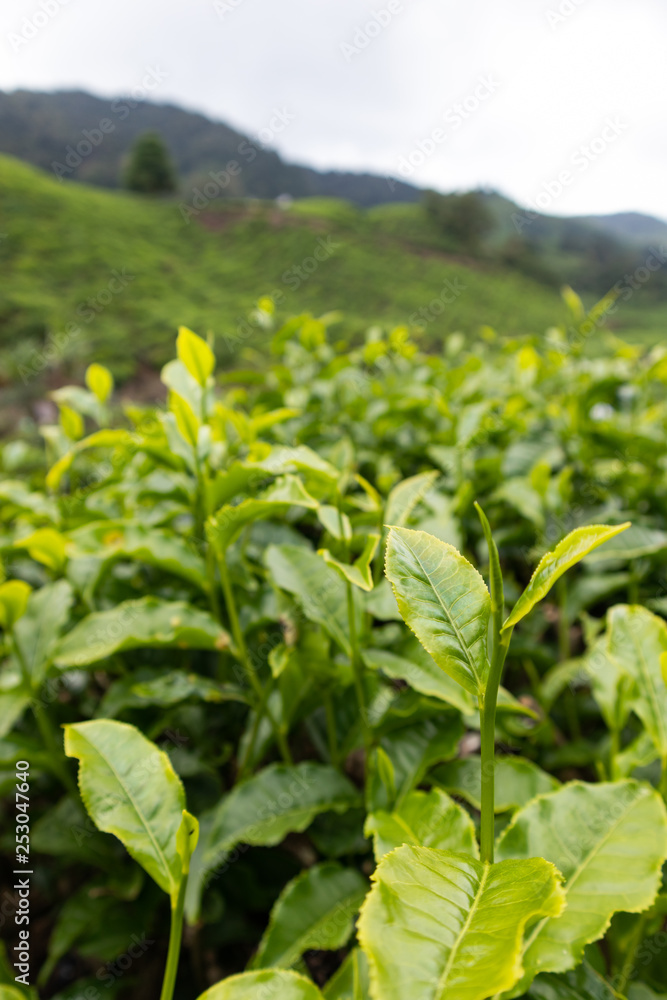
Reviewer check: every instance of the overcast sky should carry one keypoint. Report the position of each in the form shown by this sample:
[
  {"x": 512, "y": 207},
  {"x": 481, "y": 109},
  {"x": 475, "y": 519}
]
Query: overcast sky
[{"x": 452, "y": 94}]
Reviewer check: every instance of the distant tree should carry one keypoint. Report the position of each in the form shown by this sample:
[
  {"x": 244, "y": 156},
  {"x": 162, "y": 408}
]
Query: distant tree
[
  {"x": 150, "y": 169},
  {"x": 464, "y": 218}
]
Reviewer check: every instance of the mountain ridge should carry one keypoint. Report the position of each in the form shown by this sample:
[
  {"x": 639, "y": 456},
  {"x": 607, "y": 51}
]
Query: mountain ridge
[{"x": 77, "y": 136}]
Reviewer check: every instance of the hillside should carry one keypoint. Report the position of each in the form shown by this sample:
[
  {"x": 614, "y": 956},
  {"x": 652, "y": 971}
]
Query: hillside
[
  {"x": 46, "y": 129},
  {"x": 146, "y": 271}
]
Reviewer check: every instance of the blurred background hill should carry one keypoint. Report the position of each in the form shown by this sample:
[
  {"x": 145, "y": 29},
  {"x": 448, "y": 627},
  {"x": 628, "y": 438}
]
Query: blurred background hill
[{"x": 80, "y": 254}]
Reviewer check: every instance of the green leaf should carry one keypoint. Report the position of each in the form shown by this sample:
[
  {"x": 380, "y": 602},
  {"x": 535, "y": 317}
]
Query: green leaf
[
  {"x": 47, "y": 546},
  {"x": 269, "y": 984},
  {"x": 314, "y": 911},
  {"x": 517, "y": 781},
  {"x": 195, "y": 354},
  {"x": 262, "y": 422},
  {"x": 359, "y": 573},
  {"x": 335, "y": 522},
  {"x": 422, "y": 673},
  {"x": 57, "y": 471},
  {"x": 100, "y": 381},
  {"x": 188, "y": 424},
  {"x": 114, "y": 540},
  {"x": 413, "y": 750},
  {"x": 11, "y": 993},
  {"x": 14, "y": 596},
  {"x": 610, "y": 682},
  {"x": 165, "y": 690},
  {"x": 14, "y": 699},
  {"x": 495, "y": 573},
  {"x": 318, "y": 588},
  {"x": 148, "y": 621},
  {"x": 224, "y": 526},
  {"x": 130, "y": 789},
  {"x": 405, "y": 496},
  {"x": 351, "y": 980},
  {"x": 187, "y": 836},
  {"x": 38, "y": 631},
  {"x": 66, "y": 831},
  {"x": 276, "y": 801},
  {"x": 71, "y": 423},
  {"x": 445, "y": 602},
  {"x": 439, "y": 925},
  {"x": 582, "y": 983},
  {"x": 609, "y": 841},
  {"x": 569, "y": 551},
  {"x": 636, "y": 641},
  {"x": 424, "y": 819}
]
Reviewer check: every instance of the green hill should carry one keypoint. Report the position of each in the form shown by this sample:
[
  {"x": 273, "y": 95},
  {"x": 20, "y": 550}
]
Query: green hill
[
  {"x": 89, "y": 273},
  {"x": 127, "y": 270}
]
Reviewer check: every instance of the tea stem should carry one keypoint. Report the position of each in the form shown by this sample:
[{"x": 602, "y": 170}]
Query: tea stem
[
  {"x": 488, "y": 735},
  {"x": 246, "y": 662},
  {"x": 357, "y": 669},
  {"x": 175, "y": 937}
]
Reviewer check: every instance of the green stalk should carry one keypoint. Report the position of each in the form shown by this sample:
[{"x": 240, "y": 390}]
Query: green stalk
[
  {"x": 57, "y": 760},
  {"x": 357, "y": 671},
  {"x": 332, "y": 737},
  {"x": 614, "y": 750},
  {"x": 631, "y": 954},
  {"x": 488, "y": 735},
  {"x": 564, "y": 646},
  {"x": 488, "y": 699},
  {"x": 175, "y": 937},
  {"x": 259, "y": 715},
  {"x": 663, "y": 778},
  {"x": 50, "y": 740},
  {"x": 246, "y": 662}
]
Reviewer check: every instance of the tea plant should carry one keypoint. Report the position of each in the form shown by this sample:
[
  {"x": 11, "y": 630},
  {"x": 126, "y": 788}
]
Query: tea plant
[{"x": 196, "y": 593}]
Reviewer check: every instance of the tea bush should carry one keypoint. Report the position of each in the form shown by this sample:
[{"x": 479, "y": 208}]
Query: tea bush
[{"x": 293, "y": 716}]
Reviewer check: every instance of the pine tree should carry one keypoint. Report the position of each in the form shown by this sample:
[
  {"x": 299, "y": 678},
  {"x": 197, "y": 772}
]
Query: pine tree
[{"x": 150, "y": 169}]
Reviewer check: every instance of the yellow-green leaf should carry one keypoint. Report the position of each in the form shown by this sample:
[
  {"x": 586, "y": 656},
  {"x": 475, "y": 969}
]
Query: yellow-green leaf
[
  {"x": 636, "y": 641},
  {"x": 47, "y": 546},
  {"x": 424, "y": 819},
  {"x": 58, "y": 470},
  {"x": 569, "y": 551},
  {"x": 444, "y": 600},
  {"x": 100, "y": 381},
  {"x": 269, "y": 984},
  {"x": 609, "y": 840},
  {"x": 359, "y": 572},
  {"x": 186, "y": 839},
  {"x": 130, "y": 789},
  {"x": 438, "y": 925},
  {"x": 195, "y": 354},
  {"x": 186, "y": 421},
  {"x": 14, "y": 596},
  {"x": 71, "y": 423}
]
